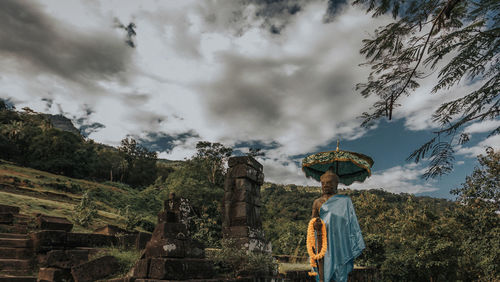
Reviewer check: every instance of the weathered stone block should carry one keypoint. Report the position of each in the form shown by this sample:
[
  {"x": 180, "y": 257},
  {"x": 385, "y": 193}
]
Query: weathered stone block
[
  {"x": 48, "y": 239},
  {"x": 90, "y": 240},
  {"x": 109, "y": 229},
  {"x": 246, "y": 160},
  {"x": 45, "y": 222},
  {"x": 126, "y": 240},
  {"x": 167, "y": 216},
  {"x": 166, "y": 247},
  {"x": 240, "y": 210},
  {"x": 141, "y": 240},
  {"x": 95, "y": 269},
  {"x": 6, "y": 218},
  {"x": 246, "y": 191},
  {"x": 141, "y": 269},
  {"x": 177, "y": 269},
  {"x": 52, "y": 274},
  {"x": 170, "y": 230},
  {"x": 123, "y": 279},
  {"x": 194, "y": 249},
  {"x": 65, "y": 258},
  {"x": 15, "y": 253},
  {"x": 243, "y": 171},
  {"x": 9, "y": 209}
]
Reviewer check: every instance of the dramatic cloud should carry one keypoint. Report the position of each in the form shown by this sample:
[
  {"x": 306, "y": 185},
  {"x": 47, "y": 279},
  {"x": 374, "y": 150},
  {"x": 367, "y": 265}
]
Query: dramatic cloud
[
  {"x": 34, "y": 43},
  {"x": 275, "y": 75},
  {"x": 296, "y": 90}
]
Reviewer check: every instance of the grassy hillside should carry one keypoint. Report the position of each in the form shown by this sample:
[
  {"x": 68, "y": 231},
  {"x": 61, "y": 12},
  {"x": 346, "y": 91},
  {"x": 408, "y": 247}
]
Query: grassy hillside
[{"x": 36, "y": 191}]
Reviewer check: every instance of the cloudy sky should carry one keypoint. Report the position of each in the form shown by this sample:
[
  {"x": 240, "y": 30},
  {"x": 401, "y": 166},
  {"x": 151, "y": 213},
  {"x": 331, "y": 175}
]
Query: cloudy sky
[{"x": 273, "y": 74}]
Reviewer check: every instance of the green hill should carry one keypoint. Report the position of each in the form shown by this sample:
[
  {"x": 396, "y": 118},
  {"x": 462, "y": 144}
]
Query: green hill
[{"x": 36, "y": 191}]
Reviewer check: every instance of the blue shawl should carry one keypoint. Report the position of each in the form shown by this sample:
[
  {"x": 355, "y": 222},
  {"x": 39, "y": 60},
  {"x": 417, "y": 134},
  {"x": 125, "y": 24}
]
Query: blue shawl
[{"x": 345, "y": 241}]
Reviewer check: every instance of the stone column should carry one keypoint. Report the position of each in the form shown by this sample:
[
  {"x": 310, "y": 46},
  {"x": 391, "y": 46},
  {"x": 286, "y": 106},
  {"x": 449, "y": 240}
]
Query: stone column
[{"x": 241, "y": 204}]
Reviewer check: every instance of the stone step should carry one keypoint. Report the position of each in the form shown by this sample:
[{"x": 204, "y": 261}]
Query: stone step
[
  {"x": 16, "y": 264},
  {"x": 16, "y": 253},
  {"x": 17, "y": 279},
  {"x": 16, "y": 273},
  {"x": 6, "y": 218},
  {"x": 13, "y": 236},
  {"x": 14, "y": 228},
  {"x": 15, "y": 243}
]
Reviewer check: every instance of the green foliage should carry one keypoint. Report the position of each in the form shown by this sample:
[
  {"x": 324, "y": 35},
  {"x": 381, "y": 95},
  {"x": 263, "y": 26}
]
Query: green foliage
[
  {"x": 459, "y": 40},
  {"x": 132, "y": 218},
  {"x": 201, "y": 179},
  {"x": 212, "y": 157},
  {"x": 285, "y": 215},
  {"x": 233, "y": 261},
  {"x": 141, "y": 163},
  {"x": 86, "y": 211},
  {"x": 29, "y": 139},
  {"x": 484, "y": 183},
  {"x": 126, "y": 258},
  {"x": 207, "y": 226}
]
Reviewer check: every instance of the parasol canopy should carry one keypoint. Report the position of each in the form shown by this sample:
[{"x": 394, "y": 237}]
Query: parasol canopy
[{"x": 348, "y": 166}]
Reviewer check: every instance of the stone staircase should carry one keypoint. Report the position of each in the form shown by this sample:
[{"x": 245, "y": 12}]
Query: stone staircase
[{"x": 16, "y": 247}]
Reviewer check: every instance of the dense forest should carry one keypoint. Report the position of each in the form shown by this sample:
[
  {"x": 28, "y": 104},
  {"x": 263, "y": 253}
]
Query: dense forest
[{"x": 408, "y": 238}]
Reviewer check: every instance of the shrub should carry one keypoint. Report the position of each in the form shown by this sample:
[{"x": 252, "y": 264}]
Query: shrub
[
  {"x": 86, "y": 211},
  {"x": 233, "y": 261},
  {"x": 132, "y": 218}
]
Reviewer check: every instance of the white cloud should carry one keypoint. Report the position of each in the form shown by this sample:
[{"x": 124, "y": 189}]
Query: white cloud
[
  {"x": 398, "y": 179},
  {"x": 283, "y": 172},
  {"x": 482, "y": 127},
  {"x": 480, "y": 148}
]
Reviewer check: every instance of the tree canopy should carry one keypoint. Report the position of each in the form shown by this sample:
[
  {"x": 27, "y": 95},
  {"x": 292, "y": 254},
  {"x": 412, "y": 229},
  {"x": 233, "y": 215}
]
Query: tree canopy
[{"x": 458, "y": 39}]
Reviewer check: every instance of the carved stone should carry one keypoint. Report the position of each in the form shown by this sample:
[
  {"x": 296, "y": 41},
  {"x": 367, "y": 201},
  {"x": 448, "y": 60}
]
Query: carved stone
[
  {"x": 241, "y": 204},
  {"x": 171, "y": 253}
]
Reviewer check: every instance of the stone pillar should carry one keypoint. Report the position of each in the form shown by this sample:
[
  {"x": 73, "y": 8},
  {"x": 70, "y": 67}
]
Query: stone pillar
[{"x": 241, "y": 204}]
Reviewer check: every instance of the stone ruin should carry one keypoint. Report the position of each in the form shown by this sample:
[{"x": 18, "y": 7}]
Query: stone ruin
[
  {"x": 241, "y": 204},
  {"x": 171, "y": 254}
]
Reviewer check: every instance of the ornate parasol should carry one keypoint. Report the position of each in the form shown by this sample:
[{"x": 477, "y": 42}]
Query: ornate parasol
[{"x": 348, "y": 166}]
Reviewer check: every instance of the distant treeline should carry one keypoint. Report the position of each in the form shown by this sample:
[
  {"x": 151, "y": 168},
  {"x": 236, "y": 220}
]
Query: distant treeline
[{"x": 29, "y": 138}]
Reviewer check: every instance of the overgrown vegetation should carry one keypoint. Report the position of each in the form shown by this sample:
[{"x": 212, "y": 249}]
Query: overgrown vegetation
[
  {"x": 126, "y": 258},
  {"x": 233, "y": 261}
]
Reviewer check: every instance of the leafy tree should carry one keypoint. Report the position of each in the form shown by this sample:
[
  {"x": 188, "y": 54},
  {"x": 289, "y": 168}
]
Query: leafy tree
[
  {"x": 61, "y": 152},
  {"x": 213, "y": 157},
  {"x": 458, "y": 39},
  {"x": 201, "y": 179},
  {"x": 479, "y": 220},
  {"x": 484, "y": 183},
  {"x": 141, "y": 163},
  {"x": 111, "y": 164}
]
